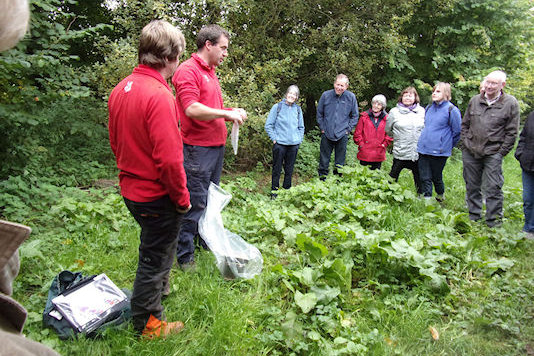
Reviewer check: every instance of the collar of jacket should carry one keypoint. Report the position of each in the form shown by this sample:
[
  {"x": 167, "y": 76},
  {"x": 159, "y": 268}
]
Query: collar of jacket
[
  {"x": 372, "y": 116},
  {"x": 202, "y": 62}
]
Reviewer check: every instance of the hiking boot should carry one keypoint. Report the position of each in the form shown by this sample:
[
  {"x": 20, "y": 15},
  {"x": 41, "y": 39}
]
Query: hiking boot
[
  {"x": 440, "y": 198},
  {"x": 529, "y": 235},
  {"x": 160, "y": 329}
]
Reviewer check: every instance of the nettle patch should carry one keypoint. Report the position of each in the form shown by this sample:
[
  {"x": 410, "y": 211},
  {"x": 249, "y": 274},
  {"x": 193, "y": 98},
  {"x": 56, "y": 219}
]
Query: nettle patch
[{"x": 329, "y": 243}]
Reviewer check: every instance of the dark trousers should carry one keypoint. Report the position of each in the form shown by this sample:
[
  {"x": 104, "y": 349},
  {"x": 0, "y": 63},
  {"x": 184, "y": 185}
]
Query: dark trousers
[
  {"x": 431, "y": 172},
  {"x": 159, "y": 223},
  {"x": 327, "y": 146},
  {"x": 487, "y": 169},
  {"x": 528, "y": 201},
  {"x": 398, "y": 165},
  {"x": 202, "y": 165},
  {"x": 371, "y": 165},
  {"x": 283, "y": 155}
]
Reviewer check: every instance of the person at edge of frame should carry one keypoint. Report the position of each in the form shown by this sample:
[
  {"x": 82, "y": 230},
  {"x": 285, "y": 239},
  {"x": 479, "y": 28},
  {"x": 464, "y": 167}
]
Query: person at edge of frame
[
  {"x": 14, "y": 19},
  {"x": 525, "y": 155}
]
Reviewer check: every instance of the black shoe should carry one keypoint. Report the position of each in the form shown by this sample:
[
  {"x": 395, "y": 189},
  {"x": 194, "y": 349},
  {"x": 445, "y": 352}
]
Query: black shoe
[
  {"x": 494, "y": 223},
  {"x": 190, "y": 266}
]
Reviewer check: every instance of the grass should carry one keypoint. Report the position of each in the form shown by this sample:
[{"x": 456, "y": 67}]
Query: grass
[{"x": 486, "y": 310}]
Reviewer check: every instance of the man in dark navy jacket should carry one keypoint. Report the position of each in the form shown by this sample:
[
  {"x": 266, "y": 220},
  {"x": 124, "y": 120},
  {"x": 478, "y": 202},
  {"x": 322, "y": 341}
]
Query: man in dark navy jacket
[{"x": 337, "y": 115}]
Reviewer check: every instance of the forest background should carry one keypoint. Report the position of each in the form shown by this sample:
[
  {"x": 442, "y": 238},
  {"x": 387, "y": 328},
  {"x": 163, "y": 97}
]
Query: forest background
[
  {"x": 54, "y": 85},
  {"x": 353, "y": 266}
]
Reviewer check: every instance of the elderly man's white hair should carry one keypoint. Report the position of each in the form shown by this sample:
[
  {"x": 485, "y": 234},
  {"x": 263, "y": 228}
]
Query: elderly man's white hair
[
  {"x": 497, "y": 74},
  {"x": 14, "y": 17}
]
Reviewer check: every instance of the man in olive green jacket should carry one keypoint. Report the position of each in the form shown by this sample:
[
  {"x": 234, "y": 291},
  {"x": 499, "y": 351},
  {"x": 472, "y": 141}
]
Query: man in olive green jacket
[{"x": 489, "y": 131}]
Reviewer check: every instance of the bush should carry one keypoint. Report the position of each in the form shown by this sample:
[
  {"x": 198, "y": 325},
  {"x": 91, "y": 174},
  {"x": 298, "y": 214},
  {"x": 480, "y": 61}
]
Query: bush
[{"x": 69, "y": 143}]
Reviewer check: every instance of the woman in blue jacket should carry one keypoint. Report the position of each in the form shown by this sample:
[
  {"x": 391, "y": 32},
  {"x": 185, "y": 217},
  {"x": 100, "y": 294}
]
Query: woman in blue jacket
[
  {"x": 285, "y": 127},
  {"x": 440, "y": 134}
]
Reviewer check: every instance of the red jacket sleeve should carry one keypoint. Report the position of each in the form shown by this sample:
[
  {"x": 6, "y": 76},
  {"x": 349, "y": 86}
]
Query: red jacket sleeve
[
  {"x": 187, "y": 86},
  {"x": 358, "y": 132}
]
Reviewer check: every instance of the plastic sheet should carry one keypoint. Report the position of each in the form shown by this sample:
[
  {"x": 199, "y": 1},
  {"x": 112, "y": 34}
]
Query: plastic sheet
[
  {"x": 236, "y": 258},
  {"x": 88, "y": 305}
]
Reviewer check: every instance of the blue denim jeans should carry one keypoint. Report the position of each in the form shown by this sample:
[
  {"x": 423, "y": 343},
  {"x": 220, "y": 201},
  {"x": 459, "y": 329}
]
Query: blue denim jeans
[
  {"x": 159, "y": 223},
  {"x": 327, "y": 146},
  {"x": 431, "y": 172},
  {"x": 283, "y": 155},
  {"x": 202, "y": 165},
  {"x": 528, "y": 201}
]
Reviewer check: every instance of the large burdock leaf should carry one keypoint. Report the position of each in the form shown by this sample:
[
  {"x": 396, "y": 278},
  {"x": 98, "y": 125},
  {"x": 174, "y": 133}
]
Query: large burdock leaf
[
  {"x": 313, "y": 248},
  {"x": 325, "y": 294},
  {"x": 306, "y": 302},
  {"x": 338, "y": 272}
]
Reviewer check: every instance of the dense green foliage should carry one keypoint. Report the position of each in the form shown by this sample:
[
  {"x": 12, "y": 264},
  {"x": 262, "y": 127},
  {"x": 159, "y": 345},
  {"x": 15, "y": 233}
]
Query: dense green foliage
[
  {"x": 77, "y": 51},
  {"x": 353, "y": 265}
]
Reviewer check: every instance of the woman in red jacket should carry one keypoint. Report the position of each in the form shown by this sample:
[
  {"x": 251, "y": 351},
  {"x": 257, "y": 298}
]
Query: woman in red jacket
[{"x": 370, "y": 134}]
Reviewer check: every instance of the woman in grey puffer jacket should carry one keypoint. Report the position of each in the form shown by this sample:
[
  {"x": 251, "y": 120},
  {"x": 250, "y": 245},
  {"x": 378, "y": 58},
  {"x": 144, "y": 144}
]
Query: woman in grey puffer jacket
[{"x": 405, "y": 122}]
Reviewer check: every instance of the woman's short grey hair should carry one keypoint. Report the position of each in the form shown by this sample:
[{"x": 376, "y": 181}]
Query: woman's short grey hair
[
  {"x": 14, "y": 17},
  {"x": 293, "y": 88},
  {"x": 381, "y": 99}
]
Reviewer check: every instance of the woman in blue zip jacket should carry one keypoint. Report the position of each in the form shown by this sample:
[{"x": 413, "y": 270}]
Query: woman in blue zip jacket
[
  {"x": 440, "y": 134},
  {"x": 285, "y": 127}
]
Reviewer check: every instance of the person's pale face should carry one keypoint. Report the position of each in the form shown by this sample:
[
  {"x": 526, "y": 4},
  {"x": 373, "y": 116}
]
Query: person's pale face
[
  {"x": 291, "y": 97},
  {"x": 340, "y": 85},
  {"x": 493, "y": 86},
  {"x": 219, "y": 51},
  {"x": 438, "y": 95},
  {"x": 408, "y": 98},
  {"x": 376, "y": 107}
]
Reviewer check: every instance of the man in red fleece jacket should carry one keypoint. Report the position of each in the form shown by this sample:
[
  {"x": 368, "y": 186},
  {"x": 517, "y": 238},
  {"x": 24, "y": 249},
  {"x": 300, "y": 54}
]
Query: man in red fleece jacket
[
  {"x": 202, "y": 118},
  {"x": 144, "y": 136}
]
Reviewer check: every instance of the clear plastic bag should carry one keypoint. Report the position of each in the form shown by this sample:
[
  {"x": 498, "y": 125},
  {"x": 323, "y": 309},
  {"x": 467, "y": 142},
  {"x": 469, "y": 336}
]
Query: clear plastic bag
[
  {"x": 235, "y": 257},
  {"x": 234, "y": 136}
]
